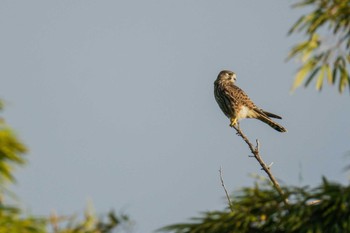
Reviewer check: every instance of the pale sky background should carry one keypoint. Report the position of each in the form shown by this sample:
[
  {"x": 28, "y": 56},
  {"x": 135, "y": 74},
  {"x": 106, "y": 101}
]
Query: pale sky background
[{"x": 115, "y": 101}]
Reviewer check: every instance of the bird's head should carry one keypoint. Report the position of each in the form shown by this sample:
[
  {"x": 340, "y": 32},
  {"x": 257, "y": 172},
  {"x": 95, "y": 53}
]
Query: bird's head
[{"x": 226, "y": 76}]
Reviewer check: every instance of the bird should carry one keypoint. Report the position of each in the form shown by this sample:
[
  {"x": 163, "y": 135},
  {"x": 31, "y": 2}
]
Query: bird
[{"x": 236, "y": 104}]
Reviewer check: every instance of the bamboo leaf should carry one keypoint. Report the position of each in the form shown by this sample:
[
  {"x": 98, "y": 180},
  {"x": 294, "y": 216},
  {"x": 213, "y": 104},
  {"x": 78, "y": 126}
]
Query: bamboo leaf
[
  {"x": 297, "y": 24},
  {"x": 312, "y": 75},
  {"x": 297, "y": 49},
  {"x": 344, "y": 79},
  {"x": 306, "y": 55},
  {"x": 334, "y": 73},
  {"x": 317, "y": 22},
  {"x": 334, "y": 17},
  {"x": 320, "y": 77},
  {"x": 306, "y": 47},
  {"x": 300, "y": 76},
  {"x": 303, "y": 3},
  {"x": 329, "y": 74}
]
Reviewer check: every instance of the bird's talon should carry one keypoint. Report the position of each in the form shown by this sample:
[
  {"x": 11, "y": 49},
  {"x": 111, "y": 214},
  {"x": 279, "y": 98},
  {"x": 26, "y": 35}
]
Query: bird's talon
[{"x": 233, "y": 122}]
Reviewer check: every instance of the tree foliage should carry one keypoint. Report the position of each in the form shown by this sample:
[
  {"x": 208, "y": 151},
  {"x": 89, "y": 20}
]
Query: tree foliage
[
  {"x": 14, "y": 220},
  {"x": 90, "y": 223},
  {"x": 261, "y": 209},
  {"x": 11, "y": 152},
  {"x": 11, "y": 220},
  {"x": 326, "y": 52}
]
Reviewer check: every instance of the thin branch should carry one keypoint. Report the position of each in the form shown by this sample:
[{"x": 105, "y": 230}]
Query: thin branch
[
  {"x": 223, "y": 185},
  {"x": 255, "y": 152},
  {"x": 54, "y": 219},
  {"x": 315, "y": 202}
]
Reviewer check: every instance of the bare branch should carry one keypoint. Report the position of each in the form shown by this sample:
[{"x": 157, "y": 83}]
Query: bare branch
[
  {"x": 314, "y": 202},
  {"x": 223, "y": 185},
  {"x": 255, "y": 152},
  {"x": 54, "y": 219}
]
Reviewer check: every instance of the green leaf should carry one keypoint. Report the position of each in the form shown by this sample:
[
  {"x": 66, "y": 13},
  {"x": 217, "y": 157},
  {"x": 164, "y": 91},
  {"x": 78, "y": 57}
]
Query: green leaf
[
  {"x": 306, "y": 55},
  {"x": 312, "y": 75},
  {"x": 344, "y": 79},
  {"x": 303, "y": 3},
  {"x": 297, "y": 49},
  {"x": 317, "y": 22},
  {"x": 320, "y": 77},
  {"x": 300, "y": 76},
  {"x": 305, "y": 47},
  {"x": 297, "y": 24},
  {"x": 334, "y": 73},
  {"x": 329, "y": 73},
  {"x": 331, "y": 18}
]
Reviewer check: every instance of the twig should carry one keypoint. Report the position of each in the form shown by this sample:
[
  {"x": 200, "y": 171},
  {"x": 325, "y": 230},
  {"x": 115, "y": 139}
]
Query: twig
[
  {"x": 223, "y": 185},
  {"x": 255, "y": 152},
  {"x": 54, "y": 221},
  {"x": 314, "y": 202}
]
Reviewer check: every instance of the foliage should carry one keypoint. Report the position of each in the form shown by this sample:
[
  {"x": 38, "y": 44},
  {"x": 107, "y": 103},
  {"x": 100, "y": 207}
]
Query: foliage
[
  {"x": 11, "y": 221},
  {"x": 328, "y": 56},
  {"x": 260, "y": 209},
  {"x": 11, "y": 152},
  {"x": 90, "y": 224},
  {"x": 12, "y": 218}
]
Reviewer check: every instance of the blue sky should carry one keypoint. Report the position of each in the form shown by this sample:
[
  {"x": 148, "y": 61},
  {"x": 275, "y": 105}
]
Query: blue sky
[{"x": 115, "y": 101}]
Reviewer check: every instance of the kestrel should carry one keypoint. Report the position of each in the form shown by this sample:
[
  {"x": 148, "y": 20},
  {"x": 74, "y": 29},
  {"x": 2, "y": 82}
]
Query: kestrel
[{"x": 236, "y": 104}]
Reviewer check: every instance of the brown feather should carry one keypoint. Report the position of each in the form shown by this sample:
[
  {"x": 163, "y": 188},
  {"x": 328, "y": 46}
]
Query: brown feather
[
  {"x": 269, "y": 114},
  {"x": 271, "y": 123}
]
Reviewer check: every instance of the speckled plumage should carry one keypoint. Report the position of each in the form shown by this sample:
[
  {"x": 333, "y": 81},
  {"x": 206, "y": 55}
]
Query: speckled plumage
[{"x": 236, "y": 104}]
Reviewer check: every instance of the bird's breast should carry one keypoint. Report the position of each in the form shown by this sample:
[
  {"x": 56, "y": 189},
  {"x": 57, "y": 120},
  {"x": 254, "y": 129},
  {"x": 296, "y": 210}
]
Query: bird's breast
[{"x": 245, "y": 112}]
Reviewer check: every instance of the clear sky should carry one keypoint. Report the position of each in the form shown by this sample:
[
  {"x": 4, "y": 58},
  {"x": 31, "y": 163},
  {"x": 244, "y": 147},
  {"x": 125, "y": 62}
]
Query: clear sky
[{"x": 115, "y": 101}]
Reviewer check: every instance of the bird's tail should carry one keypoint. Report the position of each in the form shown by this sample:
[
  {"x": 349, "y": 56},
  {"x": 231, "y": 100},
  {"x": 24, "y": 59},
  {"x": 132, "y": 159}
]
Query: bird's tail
[
  {"x": 271, "y": 123},
  {"x": 269, "y": 114}
]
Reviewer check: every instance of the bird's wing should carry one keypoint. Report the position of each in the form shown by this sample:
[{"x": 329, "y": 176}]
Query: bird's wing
[
  {"x": 245, "y": 100},
  {"x": 240, "y": 96}
]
